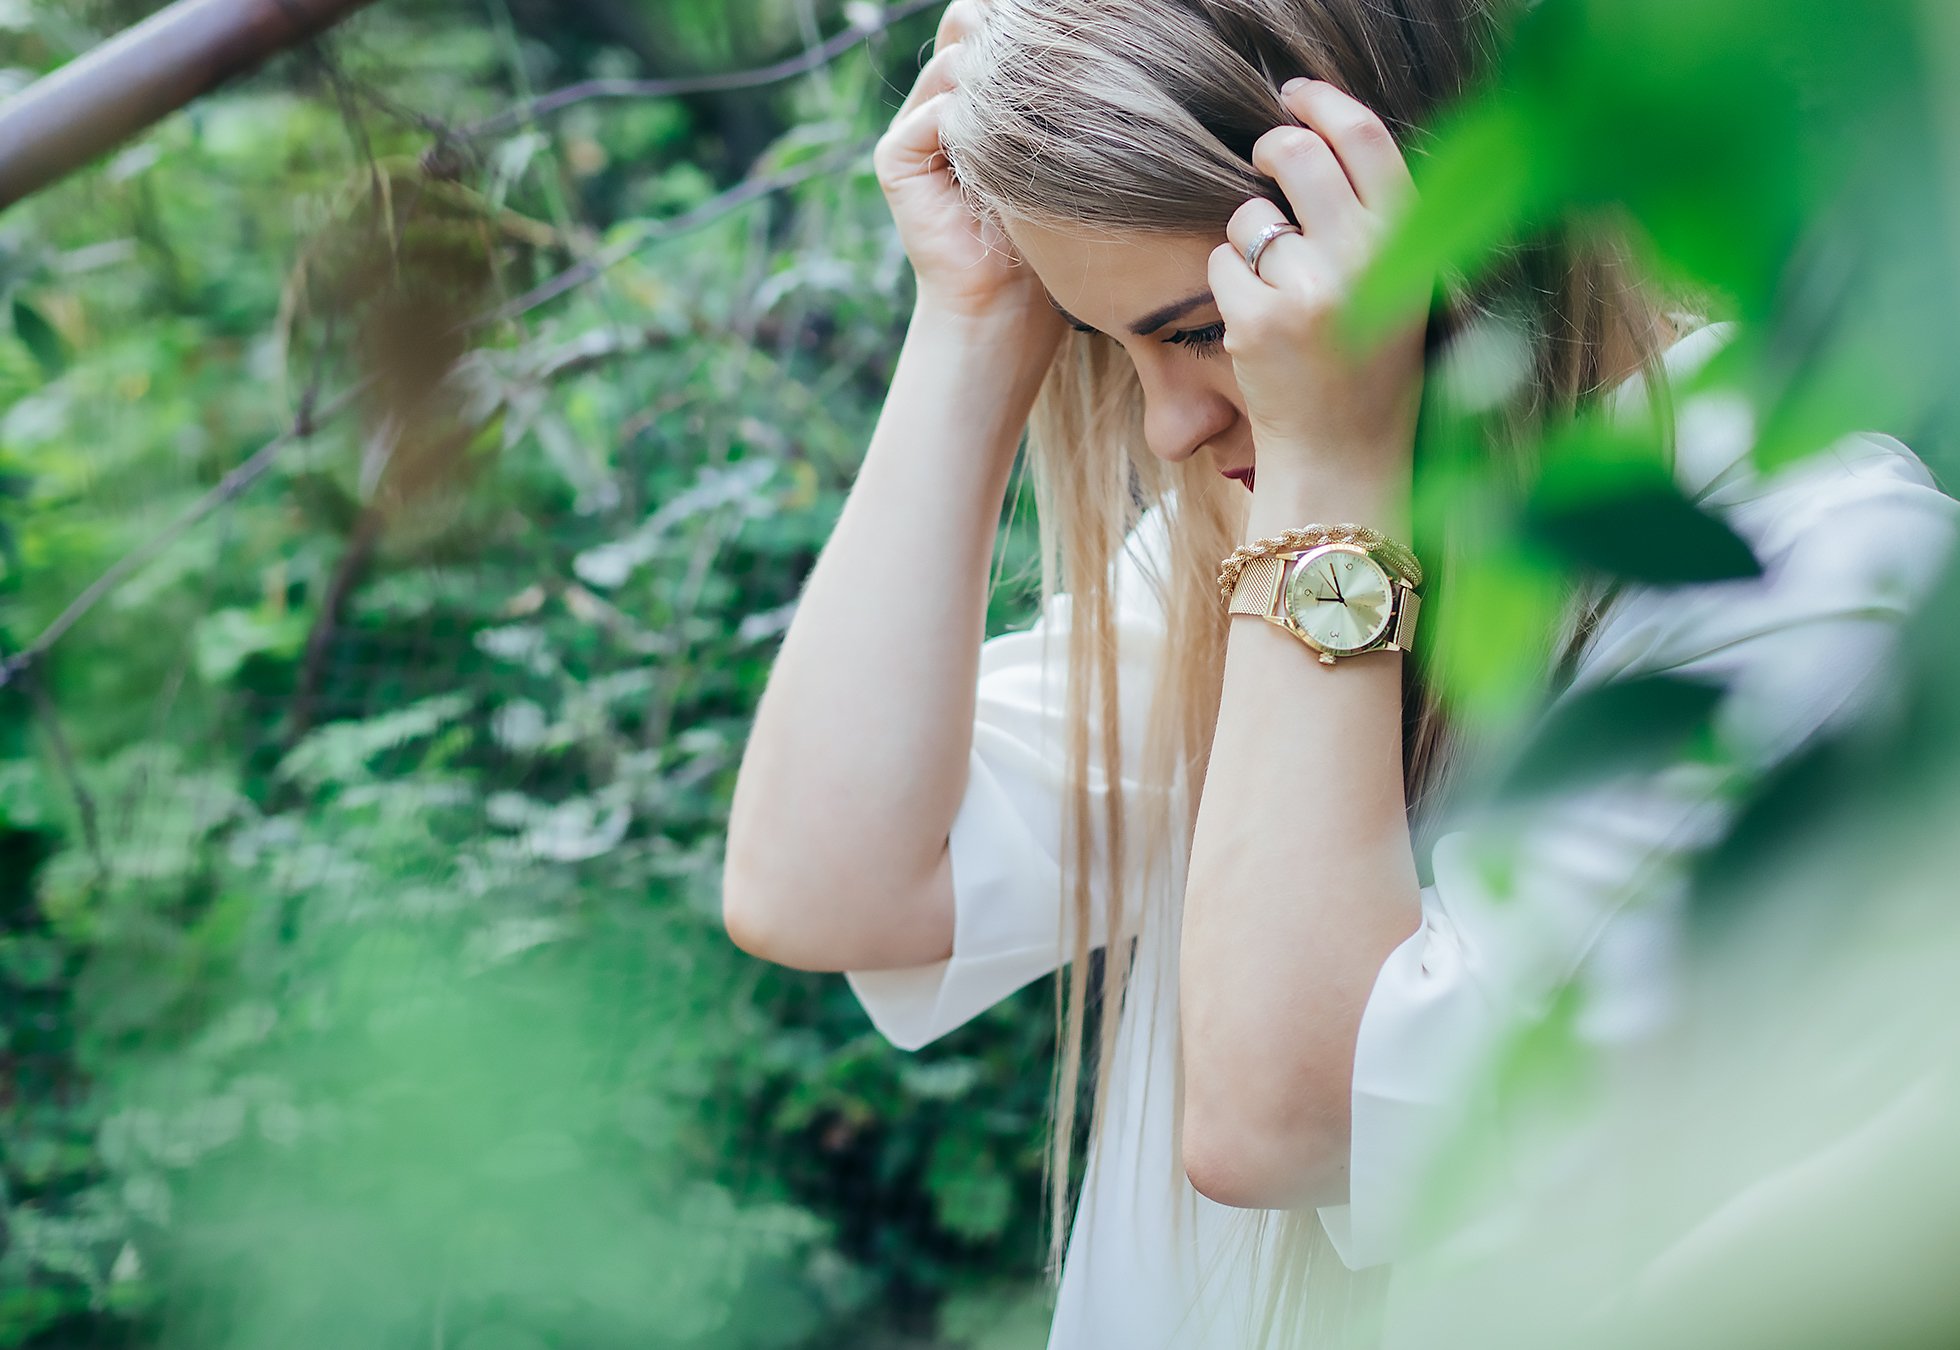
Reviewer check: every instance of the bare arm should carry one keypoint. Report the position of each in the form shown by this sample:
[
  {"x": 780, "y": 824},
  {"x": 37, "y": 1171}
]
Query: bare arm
[
  {"x": 858, "y": 756},
  {"x": 1303, "y": 876},
  {"x": 1296, "y": 897}
]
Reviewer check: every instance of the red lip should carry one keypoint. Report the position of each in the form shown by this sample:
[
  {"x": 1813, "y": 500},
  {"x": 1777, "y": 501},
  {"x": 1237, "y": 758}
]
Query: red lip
[{"x": 1243, "y": 475}]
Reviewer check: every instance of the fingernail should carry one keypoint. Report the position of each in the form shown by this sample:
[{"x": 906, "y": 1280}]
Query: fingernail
[{"x": 1295, "y": 85}]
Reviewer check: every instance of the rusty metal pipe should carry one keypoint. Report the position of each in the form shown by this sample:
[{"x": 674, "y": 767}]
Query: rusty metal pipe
[{"x": 72, "y": 116}]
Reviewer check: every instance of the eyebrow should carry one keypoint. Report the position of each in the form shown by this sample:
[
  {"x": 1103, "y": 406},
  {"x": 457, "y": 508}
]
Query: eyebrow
[{"x": 1150, "y": 322}]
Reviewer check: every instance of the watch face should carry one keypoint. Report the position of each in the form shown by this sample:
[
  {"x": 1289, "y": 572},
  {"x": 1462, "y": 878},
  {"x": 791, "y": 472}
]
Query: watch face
[{"x": 1339, "y": 597}]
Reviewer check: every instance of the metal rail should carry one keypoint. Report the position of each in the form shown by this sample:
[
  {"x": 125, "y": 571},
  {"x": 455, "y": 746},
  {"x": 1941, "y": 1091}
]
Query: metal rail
[{"x": 70, "y": 117}]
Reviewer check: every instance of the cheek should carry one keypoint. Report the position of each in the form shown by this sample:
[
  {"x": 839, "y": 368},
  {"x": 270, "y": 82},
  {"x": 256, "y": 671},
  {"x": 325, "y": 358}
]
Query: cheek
[
  {"x": 1185, "y": 367},
  {"x": 1207, "y": 380},
  {"x": 1170, "y": 372},
  {"x": 1220, "y": 379}
]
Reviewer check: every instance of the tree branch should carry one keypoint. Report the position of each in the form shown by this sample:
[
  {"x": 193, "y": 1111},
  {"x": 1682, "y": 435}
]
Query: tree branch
[
  {"x": 70, "y": 117},
  {"x": 230, "y": 486},
  {"x": 650, "y": 232},
  {"x": 790, "y": 67},
  {"x": 247, "y": 473},
  {"x": 64, "y": 757}
]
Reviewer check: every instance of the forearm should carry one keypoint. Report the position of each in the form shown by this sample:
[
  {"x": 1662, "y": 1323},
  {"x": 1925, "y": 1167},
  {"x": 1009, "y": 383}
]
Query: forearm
[
  {"x": 857, "y": 758},
  {"x": 1302, "y": 881}
]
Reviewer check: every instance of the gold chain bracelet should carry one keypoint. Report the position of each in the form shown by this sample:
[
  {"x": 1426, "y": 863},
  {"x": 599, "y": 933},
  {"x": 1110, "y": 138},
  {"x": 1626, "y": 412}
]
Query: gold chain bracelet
[{"x": 1312, "y": 536}]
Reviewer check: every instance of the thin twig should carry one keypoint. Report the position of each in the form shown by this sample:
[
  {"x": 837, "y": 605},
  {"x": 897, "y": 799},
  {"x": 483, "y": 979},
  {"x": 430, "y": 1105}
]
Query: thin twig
[
  {"x": 228, "y": 487},
  {"x": 707, "y": 544},
  {"x": 309, "y": 419},
  {"x": 350, "y": 118},
  {"x": 776, "y": 72},
  {"x": 64, "y": 758},
  {"x": 651, "y": 232}
]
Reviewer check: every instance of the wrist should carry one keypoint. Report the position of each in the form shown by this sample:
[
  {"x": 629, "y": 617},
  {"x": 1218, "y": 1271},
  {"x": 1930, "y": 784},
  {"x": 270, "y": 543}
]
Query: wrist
[
  {"x": 1006, "y": 327},
  {"x": 974, "y": 380},
  {"x": 992, "y": 348},
  {"x": 1290, "y": 494}
]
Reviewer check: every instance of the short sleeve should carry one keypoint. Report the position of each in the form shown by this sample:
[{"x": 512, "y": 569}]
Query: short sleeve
[
  {"x": 1006, "y": 838},
  {"x": 1588, "y": 890}
]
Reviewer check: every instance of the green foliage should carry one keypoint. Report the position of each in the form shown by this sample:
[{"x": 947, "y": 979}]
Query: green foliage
[
  {"x": 1627, "y": 725},
  {"x": 40, "y": 338},
  {"x": 1607, "y": 504},
  {"x": 364, "y": 966},
  {"x": 1791, "y": 163}
]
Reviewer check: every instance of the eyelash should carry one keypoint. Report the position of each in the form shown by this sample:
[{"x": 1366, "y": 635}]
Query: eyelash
[{"x": 1206, "y": 341}]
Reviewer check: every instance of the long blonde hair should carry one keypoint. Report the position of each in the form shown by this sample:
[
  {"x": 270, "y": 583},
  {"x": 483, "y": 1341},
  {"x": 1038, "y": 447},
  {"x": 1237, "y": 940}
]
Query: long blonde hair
[{"x": 1139, "y": 116}]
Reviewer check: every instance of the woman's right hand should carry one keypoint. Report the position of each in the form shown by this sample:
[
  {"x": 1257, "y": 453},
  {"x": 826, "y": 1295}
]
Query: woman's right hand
[{"x": 966, "y": 268}]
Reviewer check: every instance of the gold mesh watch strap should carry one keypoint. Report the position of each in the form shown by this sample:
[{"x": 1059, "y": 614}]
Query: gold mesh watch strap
[
  {"x": 1257, "y": 591},
  {"x": 1404, "y": 631}
]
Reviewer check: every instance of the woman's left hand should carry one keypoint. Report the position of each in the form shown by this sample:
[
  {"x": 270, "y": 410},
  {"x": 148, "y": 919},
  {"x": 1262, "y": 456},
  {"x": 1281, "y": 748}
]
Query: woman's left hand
[{"x": 1317, "y": 408}]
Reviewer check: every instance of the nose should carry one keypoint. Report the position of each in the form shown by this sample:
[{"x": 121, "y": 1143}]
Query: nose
[{"x": 1181, "y": 414}]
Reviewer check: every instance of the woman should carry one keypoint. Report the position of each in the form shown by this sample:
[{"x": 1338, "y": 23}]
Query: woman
[{"x": 1131, "y": 221}]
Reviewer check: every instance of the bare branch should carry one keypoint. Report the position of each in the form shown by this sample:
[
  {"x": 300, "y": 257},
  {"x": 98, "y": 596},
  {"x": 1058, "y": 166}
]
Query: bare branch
[
  {"x": 309, "y": 418},
  {"x": 230, "y": 486},
  {"x": 788, "y": 68},
  {"x": 64, "y": 758},
  {"x": 748, "y": 190}
]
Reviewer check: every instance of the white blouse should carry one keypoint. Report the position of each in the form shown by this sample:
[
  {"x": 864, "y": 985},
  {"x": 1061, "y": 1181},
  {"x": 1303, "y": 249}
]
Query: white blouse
[{"x": 1575, "y": 888}]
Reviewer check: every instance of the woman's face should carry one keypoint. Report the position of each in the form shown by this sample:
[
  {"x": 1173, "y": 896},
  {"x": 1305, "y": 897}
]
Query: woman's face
[{"x": 1150, "y": 294}]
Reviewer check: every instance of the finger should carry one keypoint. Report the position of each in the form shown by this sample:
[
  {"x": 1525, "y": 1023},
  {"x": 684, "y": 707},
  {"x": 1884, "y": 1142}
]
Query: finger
[
  {"x": 935, "y": 77},
  {"x": 1243, "y": 231},
  {"x": 1315, "y": 185},
  {"x": 1360, "y": 140},
  {"x": 1239, "y": 295},
  {"x": 958, "y": 22},
  {"x": 910, "y": 146}
]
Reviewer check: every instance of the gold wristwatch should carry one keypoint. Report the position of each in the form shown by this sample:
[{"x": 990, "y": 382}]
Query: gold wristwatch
[{"x": 1341, "y": 597}]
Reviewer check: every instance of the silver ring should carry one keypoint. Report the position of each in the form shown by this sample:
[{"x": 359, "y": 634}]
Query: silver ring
[{"x": 1266, "y": 236}]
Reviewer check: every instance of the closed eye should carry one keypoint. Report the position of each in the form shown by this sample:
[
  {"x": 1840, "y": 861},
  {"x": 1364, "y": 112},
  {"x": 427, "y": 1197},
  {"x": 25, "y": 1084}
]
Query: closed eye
[{"x": 1206, "y": 341}]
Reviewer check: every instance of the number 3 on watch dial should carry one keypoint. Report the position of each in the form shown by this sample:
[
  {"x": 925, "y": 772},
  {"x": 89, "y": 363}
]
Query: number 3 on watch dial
[{"x": 1339, "y": 597}]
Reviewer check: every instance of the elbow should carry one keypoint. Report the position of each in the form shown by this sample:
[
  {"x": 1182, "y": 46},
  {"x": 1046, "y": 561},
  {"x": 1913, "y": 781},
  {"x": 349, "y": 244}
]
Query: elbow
[
  {"x": 779, "y": 922},
  {"x": 1222, "y": 1172},
  {"x": 1248, "y": 1160},
  {"x": 745, "y": 928},
  {"x": 748, "y": 922},
  {"x": 761, "y": 907},
  {"x": 767, "y": 911}
]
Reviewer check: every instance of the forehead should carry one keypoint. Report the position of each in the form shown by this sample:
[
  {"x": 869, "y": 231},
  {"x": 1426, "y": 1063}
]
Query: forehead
[{"x": 1110, "y": 281}]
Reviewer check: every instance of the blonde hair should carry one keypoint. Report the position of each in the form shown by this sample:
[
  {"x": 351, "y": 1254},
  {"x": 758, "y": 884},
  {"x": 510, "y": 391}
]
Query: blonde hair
[{"x": 1139, "y": 116}]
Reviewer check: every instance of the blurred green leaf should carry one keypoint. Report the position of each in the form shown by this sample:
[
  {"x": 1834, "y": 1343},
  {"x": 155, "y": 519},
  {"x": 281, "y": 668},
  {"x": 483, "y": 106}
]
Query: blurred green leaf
[
  {"x": 49, "y": 348},
  {"x": 1621, "y": 726},
  {"x": 971, "y": 1196},
  {"x": 1632, "y": 521},
  {"x": 225, "y": 640},
  {"x": 1473, "y": 181}
]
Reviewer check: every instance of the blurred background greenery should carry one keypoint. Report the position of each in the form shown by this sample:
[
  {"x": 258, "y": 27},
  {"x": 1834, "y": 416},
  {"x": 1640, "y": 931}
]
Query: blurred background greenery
[
  {"x": 363, "y": 971},
  {"x": 360, "y": 951}
]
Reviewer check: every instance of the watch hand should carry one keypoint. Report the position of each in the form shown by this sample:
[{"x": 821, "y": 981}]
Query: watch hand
[{"x": 1336, "y": 583}]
